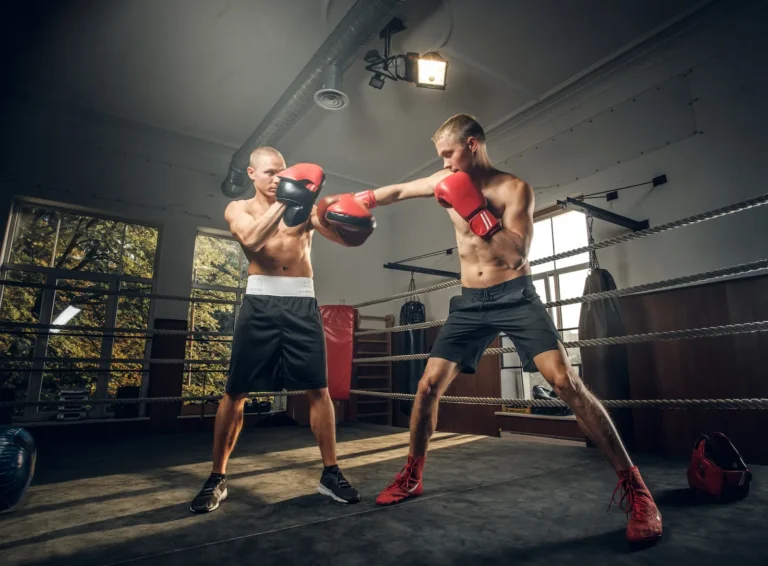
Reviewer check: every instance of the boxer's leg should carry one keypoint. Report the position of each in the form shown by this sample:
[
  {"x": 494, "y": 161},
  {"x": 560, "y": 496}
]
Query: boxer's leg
[
  {"x": 254, "y": 366},
  {"x": 458, "y": 348},
  {"x": 229, "y": 422},
  {"x": 304, "y": 367}
]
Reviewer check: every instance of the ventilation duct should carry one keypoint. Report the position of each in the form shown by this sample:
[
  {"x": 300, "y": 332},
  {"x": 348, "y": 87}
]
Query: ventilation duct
[{"x": 364, "y": 20}]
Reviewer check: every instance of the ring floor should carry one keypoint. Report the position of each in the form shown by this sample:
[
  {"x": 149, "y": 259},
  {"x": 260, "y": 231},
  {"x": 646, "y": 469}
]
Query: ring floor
[{"x": 486, "y": 501}]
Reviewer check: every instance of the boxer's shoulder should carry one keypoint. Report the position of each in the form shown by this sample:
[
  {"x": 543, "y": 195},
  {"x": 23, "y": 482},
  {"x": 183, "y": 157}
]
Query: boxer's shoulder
[{"x": 498, "y": 179}]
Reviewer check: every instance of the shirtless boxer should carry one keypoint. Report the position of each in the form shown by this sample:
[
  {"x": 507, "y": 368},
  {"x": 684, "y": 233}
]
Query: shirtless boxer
[
  {"x": 279, "y": 340},
  {"x": 492, "y": 212}
]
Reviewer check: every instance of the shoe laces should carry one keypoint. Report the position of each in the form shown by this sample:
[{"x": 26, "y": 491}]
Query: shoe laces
[
  {"x": 209, "y": 485},
  {"x": 403, "y": 478},
  {"x": 340, "y": 480},
  {"x": 630, "y": 501},
  {"x": 626, "y": 501}
]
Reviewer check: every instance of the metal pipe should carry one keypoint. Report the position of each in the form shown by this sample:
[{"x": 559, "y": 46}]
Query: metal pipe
[{"x": 364, "y": 19}]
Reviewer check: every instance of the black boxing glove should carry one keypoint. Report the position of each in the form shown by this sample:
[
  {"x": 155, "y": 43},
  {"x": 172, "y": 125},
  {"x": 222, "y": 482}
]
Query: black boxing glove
[{"x": 298, "y": 189}]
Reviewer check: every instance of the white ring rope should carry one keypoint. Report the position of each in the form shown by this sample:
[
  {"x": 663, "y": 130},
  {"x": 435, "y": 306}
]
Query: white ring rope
[
  {"x": 753, "y": 404},
  {"x": 695, "y": 219},
  {"x": 707, "y": 332},
  {"x": 11, "y": 327},
  {"x": 637, "y": 289}
]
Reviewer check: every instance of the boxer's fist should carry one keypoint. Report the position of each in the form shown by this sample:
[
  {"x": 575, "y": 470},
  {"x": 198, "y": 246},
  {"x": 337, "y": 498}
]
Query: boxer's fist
[
  {"x": 347, "y": 217},
  {"x": 298, "y": 189},
  {"x": 457, "y": 191}
]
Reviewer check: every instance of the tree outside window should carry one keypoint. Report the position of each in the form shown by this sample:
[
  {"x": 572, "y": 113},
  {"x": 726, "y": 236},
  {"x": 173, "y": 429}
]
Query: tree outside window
[{"x": 86, "y": 253}]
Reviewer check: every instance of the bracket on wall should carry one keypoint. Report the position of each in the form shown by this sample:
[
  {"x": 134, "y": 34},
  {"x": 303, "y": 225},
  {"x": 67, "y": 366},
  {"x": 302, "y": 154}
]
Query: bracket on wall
[
  {"x": 602, "y": 214},
  {"x": 422, "y": 270}
]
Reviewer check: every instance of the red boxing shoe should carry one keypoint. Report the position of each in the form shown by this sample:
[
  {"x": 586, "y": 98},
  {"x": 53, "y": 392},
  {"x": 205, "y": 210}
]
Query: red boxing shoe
[
  {"x": 405, "y": 485},
  {"x": 644, "y": 517}
]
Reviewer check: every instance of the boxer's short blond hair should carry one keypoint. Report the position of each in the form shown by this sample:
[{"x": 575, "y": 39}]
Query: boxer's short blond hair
[{"x": 460, "y": 127}]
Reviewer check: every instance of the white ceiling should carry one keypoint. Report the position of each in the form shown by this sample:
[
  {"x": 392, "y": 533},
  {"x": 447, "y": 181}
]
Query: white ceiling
[{"x": 212, "y": 69}]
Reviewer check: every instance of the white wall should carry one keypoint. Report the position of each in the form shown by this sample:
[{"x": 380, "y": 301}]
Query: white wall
[
  {"x": 693, "y": 109},
  {"x": 150, "y": 176}
]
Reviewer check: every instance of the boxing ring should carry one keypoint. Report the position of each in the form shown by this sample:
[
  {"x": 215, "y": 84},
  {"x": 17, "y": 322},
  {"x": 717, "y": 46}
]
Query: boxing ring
[{"x": 487, "y": 500}]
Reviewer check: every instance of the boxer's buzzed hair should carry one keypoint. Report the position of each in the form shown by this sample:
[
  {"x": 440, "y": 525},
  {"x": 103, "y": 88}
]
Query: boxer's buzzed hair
[
  {"x": 461, "y": 127},
  {"x": 263, "y": 150}
]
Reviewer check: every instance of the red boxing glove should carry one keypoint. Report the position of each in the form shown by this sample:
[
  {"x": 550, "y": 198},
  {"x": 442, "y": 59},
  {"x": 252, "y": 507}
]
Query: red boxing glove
[
  {"x": 347, "y": 217},
  {"x": 457, "y": 191},
  {"x": 368, "y": 198}
]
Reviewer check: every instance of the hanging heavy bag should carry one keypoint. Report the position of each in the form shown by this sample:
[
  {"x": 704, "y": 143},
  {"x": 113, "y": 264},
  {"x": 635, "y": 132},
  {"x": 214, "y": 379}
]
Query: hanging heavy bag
[
  {"x": 409, "y": 372},
  {"x": 606, "y": 368}
]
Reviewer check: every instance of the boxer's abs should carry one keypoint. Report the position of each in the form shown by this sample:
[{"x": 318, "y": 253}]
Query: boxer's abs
[
  {"x": 481, "y": 267},
  {"x": 283, "y": 254}
]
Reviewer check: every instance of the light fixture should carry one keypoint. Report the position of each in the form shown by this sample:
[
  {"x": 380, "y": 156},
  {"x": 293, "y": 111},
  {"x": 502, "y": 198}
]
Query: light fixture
[
  {"x": 64, "y": 317},
  {"x": 377, "y": 81},
  {"x": 425, "y": 71}
]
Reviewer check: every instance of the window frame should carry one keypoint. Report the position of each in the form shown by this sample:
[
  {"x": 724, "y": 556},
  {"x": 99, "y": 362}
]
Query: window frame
[
  {"x": 238, "y": 291},
  {"x": 47, "y": 296},
  {"x": 546, "y": 213},
  {"x": 279, "y": 404}
]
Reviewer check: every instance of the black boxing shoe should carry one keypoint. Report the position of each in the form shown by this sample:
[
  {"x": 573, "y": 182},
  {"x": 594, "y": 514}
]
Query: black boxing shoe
[
  {"x": 213, "y": 493},
  {"x": 334, "y": 485},
  {"x": 541, "y": 392}
]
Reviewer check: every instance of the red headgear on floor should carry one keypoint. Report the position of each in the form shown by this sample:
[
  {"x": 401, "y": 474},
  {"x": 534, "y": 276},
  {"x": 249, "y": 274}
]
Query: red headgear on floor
[{"x": 717, "y": 468}]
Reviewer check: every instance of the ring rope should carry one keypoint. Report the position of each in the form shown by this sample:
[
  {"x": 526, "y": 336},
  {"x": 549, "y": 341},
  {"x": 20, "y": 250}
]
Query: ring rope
[
  {"x": 690, "y": 220},
  {"x": 674, "y": 282},
  {"x": 754, "y": 404},
  {"x": 121, "y": 293},
  {"x": 139, "y": 332},
  {"x": 619, "y": 403},
  {"x": 706, "y": 332},
  {"x": 131, "y": 401},
  {"x": 716, "y": 213},
  {"x": 158, "y": 361}
]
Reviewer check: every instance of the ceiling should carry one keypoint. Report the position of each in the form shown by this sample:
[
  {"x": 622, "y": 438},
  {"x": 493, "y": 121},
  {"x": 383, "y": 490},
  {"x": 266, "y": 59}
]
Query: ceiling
[{"x": 212, "y": 69}]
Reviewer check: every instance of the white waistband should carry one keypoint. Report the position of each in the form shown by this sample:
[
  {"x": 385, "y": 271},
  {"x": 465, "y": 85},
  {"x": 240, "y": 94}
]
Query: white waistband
[{"x": 280, "y": 286}]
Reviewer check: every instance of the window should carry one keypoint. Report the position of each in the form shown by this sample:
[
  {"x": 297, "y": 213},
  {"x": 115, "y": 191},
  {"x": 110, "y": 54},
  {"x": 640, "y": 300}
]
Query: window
[
  {"x": 562, "y": 278},
  {"x": 554, "y": 281},
  {"x": 220, "y": 272},
  {"x": 55, "y": 246}
]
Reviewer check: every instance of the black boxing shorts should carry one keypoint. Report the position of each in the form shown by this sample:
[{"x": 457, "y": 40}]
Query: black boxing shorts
[
  {"x": 477, "y": 316},
  {"x": 279, "y": 341}
]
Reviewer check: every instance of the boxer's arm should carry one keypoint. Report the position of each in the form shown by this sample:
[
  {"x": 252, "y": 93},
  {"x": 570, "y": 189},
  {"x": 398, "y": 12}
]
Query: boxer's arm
[
  {"x": 252, "y": 233},
  {"x": 328, "y": 234},
  {"x": 419, "y": 188},
  {"x": 513, "y": 241}
]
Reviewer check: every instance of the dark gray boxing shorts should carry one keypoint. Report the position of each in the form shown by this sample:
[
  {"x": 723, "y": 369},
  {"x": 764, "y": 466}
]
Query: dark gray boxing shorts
[{"x": 477, "y": 316}]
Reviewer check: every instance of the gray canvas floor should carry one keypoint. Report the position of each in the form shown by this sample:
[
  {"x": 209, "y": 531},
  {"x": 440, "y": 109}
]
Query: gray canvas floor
[{"x": 486, "y": 501}]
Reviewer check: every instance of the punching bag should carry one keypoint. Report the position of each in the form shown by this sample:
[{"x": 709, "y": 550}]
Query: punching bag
[
  {"x": 606, "y": 368},
  {"x": 408, "y": 373}
]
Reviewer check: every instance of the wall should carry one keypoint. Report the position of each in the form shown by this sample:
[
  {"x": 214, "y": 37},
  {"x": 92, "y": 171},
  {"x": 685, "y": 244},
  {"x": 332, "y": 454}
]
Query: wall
[
  {"x": 692, "y": 108},
  {"x": 111, "y": 166}
]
